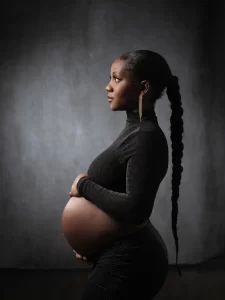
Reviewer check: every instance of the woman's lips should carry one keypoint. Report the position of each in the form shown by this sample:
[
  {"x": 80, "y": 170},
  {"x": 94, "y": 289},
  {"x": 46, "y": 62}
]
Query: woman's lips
[{"x": 110, "y": 99}]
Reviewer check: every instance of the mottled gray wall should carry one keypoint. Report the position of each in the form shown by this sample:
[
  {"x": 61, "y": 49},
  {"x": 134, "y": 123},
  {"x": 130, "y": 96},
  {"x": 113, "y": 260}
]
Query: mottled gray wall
[
  {"x": 55, "y": 118},
  {"x": 213, "y": 179}
]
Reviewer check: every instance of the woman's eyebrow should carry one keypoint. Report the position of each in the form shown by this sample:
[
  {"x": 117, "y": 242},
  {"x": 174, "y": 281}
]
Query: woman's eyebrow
[{"x": 115, "y": 73}]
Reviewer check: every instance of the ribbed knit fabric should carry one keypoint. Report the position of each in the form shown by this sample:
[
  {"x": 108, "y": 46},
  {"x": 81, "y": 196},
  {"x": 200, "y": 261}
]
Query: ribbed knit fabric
[{"x": 124, "y": 179}]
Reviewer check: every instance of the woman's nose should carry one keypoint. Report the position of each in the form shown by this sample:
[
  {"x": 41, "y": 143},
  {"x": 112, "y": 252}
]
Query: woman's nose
[{"x": 107, "y": 88}]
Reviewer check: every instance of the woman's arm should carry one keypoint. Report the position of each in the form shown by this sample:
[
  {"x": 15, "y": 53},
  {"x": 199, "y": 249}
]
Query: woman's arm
[{"x": 142, "y": 182}]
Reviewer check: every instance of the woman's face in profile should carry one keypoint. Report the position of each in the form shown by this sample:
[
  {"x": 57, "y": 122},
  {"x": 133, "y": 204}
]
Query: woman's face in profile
[{"x": 121, "y": 88}]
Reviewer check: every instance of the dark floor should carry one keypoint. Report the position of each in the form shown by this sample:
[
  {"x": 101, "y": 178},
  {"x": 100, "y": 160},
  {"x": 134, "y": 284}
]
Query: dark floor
[{"x": 202, "y": 282}]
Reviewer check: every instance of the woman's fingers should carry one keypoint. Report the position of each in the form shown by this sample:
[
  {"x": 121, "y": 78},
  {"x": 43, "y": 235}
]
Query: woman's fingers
[
  {"x": 78, "y": 256},
  {"x": 83, "y": 258}
]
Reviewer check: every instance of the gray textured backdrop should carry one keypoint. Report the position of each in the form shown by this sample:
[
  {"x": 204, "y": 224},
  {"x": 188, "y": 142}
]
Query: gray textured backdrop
[{"x": 55, "y": 118}]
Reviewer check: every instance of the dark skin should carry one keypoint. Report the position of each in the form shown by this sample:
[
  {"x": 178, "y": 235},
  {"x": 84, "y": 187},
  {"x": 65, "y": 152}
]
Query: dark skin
[{"x": 125, "y": 92}]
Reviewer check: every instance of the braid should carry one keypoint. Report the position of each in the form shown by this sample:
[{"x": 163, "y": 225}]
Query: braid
[
  {"x": 177, "y": 150},
  {"x": 146, "y": 64}
]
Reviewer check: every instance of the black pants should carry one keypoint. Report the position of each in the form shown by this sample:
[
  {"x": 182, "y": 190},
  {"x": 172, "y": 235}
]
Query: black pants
[{"x": 135, "y": 266}]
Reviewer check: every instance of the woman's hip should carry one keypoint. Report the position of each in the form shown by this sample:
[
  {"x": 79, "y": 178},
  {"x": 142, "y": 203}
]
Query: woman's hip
[
  {"x": 129, "y": 265},
  {"x": 145, "y": 246}
]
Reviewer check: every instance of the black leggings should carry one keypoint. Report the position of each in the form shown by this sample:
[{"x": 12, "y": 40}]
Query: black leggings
[{"x": 134, "y": 266}]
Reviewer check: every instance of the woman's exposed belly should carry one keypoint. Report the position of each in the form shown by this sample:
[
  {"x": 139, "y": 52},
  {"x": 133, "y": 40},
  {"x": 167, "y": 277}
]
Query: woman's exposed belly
[{"x": 87, "y": 228}]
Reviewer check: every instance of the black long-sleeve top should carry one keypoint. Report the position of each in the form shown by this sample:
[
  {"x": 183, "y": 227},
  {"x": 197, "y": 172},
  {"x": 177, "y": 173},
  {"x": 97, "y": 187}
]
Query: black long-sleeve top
[{"x": 123, "y": 180}]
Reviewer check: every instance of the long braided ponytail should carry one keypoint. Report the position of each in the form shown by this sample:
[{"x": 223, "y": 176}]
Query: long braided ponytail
[
  {"x": 177, "y": 150},
  {"x": 146, "y": 64}
]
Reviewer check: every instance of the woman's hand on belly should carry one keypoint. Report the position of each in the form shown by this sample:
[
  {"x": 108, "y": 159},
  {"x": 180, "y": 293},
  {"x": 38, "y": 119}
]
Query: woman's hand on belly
[
  {"x": 82, "y": 258},
  {"x": 74, "y": 191}
]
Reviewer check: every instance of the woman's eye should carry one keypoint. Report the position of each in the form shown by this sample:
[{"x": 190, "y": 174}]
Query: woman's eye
[{"x": 115, "y": 78}]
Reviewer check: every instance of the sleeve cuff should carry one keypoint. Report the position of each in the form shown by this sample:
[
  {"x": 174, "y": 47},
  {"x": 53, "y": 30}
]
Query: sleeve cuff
[{"x": 80, "y": 184}]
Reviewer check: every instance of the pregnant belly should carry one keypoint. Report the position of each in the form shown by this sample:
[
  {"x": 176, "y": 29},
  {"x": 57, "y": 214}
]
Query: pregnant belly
[{"x": 86, "y": 227}]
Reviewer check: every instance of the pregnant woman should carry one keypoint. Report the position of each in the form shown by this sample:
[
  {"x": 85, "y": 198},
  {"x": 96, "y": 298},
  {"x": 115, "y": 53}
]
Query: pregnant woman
[{"x": 106, "y": 219}]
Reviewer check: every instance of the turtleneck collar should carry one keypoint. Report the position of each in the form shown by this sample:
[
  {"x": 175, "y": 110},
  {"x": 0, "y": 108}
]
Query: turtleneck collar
[{"x": 133, "y": 117}]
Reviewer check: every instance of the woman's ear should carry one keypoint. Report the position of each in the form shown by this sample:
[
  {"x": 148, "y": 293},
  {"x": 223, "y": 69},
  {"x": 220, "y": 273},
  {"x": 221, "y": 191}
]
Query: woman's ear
[{"x": 145, "y": 87}]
